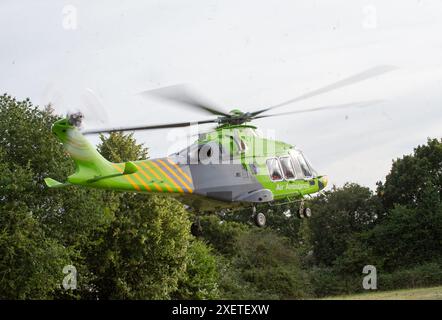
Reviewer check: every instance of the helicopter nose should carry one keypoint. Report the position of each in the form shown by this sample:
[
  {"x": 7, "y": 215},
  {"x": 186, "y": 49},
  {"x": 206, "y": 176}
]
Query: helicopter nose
[{"x": 323, "y": 181}]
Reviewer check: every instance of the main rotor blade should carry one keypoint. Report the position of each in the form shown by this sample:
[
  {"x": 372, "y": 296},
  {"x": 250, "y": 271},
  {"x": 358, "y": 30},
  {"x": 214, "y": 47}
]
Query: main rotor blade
[
  {"x": 152, "y": 127},
  {"x": 370, "y": 73},
  {"x": 359, "y": 104},
  {"x": 182, "y": 94}
]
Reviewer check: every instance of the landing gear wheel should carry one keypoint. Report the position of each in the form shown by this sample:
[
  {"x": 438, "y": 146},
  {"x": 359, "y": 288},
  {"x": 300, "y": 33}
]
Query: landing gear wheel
[
  {"x": 307, "y": 212},
  {"x": 301, "y": 213},
  {"x": 196, "y": 229},
  {"x": 259, "y": 219}
]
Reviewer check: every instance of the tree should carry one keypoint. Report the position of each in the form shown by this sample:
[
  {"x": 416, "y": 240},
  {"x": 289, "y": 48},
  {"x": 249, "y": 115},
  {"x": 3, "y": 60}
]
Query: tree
[
  {"x": 408, "y": 237},
  {"x": 121, "y": 147},
  {"x": 142, "y": 254},
  {"x": 280, "y": 217},
  {"x": 413, "y": 176},
  {"x": 31, "y": 263},
  {"x": 201, "y": 278},
  {"x": 338, "y": 214},
  {"x": 59, "y": 221},
  {"x": 221, "y": 234},
  {"x": 270, "y": 264}
]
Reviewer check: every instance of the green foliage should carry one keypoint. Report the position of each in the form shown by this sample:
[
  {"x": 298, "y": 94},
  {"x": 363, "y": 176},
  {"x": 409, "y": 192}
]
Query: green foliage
[
  {"x": 271, "y": 264},
  {"x": 61, "y": 220},
  {"x": 232, "y": 284},
  {"x": 254, "y": 263},
  {"x": 357, "y": 255},
  {"x": 121, "y": 147},
  {"x": 26, "y": 139},
  {"x": 408, "y": 237},
  {"x": 222, "y": 234},
  {"x": 305, "y": 244},
  {"x": 31, "y": 264},
  {"x": 280, "y": 217},
  {"x": 142, "y": 254},
  {"x": 338, "y": 214},
  {"x": 134, "y": 243},
  {"x": 326, "y": 281},
  {"x": 201, "y": 278},
  {"x": 427, "y": 274},
  {"x": 414, "y": 176}
]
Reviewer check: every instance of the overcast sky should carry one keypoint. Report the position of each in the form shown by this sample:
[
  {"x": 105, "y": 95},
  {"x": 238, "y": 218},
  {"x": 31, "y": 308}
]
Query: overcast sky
[{"x": 240, "y": 54}]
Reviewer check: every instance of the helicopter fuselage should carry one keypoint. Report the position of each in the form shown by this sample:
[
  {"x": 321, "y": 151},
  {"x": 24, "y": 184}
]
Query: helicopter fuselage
[{"x": 231, "y": 166}]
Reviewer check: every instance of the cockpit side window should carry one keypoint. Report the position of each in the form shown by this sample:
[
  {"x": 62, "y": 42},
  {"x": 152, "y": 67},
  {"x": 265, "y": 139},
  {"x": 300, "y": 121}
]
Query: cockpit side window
[
  {"x": 274, "y": 169},
  {"x": 313, "y": 171},
  {"x": 287, "y": 168},
  {"x": 301, "y": 164},
  {"x": 304, "y": 166}
]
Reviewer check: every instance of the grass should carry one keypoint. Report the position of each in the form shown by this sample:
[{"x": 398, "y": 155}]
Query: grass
[{"x": 406, "y": 294}]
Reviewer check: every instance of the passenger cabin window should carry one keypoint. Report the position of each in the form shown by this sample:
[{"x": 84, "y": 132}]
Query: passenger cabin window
[
  {"x": 287, "y": 168},
  {"x": 274, "y": 169},
  {"x": 301, "y": 164}
]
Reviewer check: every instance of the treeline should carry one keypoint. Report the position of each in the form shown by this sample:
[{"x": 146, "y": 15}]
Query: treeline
[{"x": 135, "y": 246}]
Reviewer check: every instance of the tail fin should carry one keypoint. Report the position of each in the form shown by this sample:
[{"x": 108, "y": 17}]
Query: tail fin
[{"x": 88, "y": 161}]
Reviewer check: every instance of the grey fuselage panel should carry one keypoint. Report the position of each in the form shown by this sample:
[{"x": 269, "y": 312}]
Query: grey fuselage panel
[{"x": 225, "y": 182}]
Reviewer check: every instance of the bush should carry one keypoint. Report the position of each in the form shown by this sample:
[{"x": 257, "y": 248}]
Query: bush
[
  {"x": 233, "y": 286},
  {"x": 31, "y": 265},
  {"x": 201, "y": 278},
  {"x": 429, "y": 274},
  {"x": 326, "y": 281},
  {"x": 221, "y": 234},
  {"x": 142, "y": 255},
  {"x": 329, "y": 282},
  {"x": 271, "y": 264}
]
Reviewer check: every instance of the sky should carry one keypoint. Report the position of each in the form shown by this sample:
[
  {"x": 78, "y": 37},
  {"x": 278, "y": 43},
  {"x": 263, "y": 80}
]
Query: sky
[{"x": 243, "y": 55}]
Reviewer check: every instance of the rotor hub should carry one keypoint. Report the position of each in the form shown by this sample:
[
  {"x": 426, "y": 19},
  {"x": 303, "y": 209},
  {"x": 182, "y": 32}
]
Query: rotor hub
[{"x": 76, "y": 119}]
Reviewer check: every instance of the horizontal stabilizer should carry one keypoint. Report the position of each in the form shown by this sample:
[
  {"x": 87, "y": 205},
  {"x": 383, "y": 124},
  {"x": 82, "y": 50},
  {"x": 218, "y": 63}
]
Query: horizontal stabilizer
[
  {"x": 51, "y": 183},
  {"x": 129, "y": 168}
]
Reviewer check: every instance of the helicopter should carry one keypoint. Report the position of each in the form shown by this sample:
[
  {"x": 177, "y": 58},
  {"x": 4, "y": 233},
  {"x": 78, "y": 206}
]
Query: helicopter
[{"x": 231, "y": 166}]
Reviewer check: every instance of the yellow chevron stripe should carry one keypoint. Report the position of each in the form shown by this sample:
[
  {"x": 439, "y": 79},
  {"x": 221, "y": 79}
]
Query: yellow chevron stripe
[
  {"x": 167, "y": 176},
  {"x": 148, "y": 178},
  {"x": 127, "y": 177},
  {"x": 142, "y": 182},
  {"x": 178, "y": 177},
  {"x": 180, "y": 170},
  {"x": 156, "y": 175}
]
